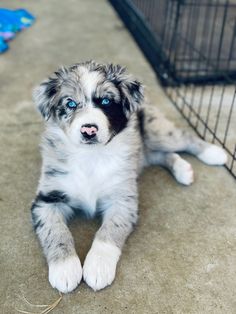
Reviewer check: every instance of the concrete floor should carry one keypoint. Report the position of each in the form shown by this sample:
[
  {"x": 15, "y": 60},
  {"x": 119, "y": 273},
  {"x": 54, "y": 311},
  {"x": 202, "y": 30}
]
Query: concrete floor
[{"x": 181, "y": 258}]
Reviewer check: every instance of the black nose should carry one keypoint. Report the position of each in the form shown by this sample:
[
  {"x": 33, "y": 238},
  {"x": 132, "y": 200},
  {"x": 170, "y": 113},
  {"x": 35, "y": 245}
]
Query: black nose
[{"x": 89, "y": 131}]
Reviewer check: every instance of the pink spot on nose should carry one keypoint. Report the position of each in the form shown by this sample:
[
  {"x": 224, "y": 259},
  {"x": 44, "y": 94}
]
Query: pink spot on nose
[{"x": 89, "y": 130}]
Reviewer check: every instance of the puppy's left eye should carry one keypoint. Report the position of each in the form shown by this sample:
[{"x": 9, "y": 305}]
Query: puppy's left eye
[
  {"x": 71, "y": 104},
  {"x": 105, "y": 101}
]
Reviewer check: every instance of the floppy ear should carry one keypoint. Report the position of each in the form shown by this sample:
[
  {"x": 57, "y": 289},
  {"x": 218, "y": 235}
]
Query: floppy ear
[
  {"x": 43, "y": 96},
  {"x": 131, "y": 90}
]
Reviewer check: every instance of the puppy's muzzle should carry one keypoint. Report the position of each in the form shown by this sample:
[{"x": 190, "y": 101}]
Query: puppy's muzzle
[{"x": 89, "y": 131}]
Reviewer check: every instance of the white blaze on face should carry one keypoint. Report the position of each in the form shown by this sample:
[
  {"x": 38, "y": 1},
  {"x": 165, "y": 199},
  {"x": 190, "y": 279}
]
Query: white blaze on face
[
  {"x": 93, "y": 116},
  {"x": 89, "y": 115},
  {"x": 89, "y": 81}
]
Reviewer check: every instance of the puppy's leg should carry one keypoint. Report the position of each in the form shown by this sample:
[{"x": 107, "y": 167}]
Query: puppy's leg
[
  {"x": 49, "y": 219},
  {"x": 161, "y": 135},
  {"x": 118, "y": 221},
  {"x": 180, "y": 168}
]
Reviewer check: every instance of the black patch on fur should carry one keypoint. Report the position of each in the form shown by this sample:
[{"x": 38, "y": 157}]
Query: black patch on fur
[
  {"x": 61, "y": 112},
  {"x": 115, "y": 114},
  {"x": 135, "y": 91},
  {"x": 126, "y": 104},
  {"x": 141, "y": 118},
  {"x": 51, "y": 89},
  {"x": 53, "y": 172},
  {"x": 170, "y": 133},
  {"x": 134, "y": 219},
  {"x": 37, "y": 223},
  {"x": 131, "y": 197},
  {"x": 43, "y": 110},
  {"x": 52, "y": 197},
  {"x": 50, "y": 142},
  {"x": 114, "y": 73},
  {"x": 60, "y": 109}
]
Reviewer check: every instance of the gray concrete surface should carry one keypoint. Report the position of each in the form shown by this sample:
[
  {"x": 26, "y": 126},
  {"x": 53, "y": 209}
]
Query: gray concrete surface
[{"x": 182, "y": 256}]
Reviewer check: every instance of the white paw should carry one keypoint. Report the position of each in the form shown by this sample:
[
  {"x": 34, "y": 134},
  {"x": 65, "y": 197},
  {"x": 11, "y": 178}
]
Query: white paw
[
  {"x": 183, "y": 171},
  {"x": 100, "y": 265},
  {"x": 213, "y": 155},
  {"x": 65, "y": 275}
]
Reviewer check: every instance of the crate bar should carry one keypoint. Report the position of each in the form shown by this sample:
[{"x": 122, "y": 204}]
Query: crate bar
[{"x": 179, "y": 57}]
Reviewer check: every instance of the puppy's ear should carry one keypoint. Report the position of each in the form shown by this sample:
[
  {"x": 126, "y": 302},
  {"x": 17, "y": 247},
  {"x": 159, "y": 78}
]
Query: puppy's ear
[
  {"x": 43, "y": 96},
  {"x": 131, "y": 90}
]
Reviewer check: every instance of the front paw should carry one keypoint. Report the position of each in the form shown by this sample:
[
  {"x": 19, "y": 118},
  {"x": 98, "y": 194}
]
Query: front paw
[
  {"x": 100, "y": 265},
  {"x": 65, "y": 275}
]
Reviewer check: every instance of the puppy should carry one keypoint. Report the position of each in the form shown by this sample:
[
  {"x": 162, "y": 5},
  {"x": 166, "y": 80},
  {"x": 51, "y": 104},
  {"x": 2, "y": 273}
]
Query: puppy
[{"x": 98, "y": 137}]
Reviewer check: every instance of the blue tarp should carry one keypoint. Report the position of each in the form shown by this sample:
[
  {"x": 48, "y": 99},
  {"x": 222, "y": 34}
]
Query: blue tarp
[{"x": 11, "y": 22}]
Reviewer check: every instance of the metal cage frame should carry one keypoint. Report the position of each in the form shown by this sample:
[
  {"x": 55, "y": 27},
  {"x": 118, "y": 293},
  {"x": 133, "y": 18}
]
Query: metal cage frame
[{"x": 191, "y": 44}]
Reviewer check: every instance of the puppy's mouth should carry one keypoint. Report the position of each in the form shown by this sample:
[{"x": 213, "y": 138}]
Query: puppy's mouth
[
  {"x": 89, "y": 141},
  {"x": 95, "y": 141}
]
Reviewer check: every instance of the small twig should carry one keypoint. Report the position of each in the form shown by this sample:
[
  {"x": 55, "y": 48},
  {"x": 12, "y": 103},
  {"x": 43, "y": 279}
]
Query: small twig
[
  {"x": 31, "y": 304},
  {"x": 48, "y": 308}
]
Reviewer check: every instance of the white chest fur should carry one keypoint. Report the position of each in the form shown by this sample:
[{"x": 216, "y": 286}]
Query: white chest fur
[
  {"x": 93, "y": 172},
  {"x": 92, "y": 175}
]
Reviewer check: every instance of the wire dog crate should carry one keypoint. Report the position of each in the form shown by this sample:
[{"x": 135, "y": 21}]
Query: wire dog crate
[{"x": 191, "y": 45}]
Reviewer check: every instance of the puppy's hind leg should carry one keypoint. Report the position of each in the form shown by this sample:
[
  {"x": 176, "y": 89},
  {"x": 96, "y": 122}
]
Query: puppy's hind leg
[
  {"x": 208, "y": 153},
  {"x": 179, "y": 168},
  {"x": 161, "y": 135}
]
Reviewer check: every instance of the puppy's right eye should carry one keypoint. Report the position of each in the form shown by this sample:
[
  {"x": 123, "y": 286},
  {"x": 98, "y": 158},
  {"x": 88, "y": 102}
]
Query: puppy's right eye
[
  {"x": 71, "y": 104},
  {"x": 105, "y": 101}
]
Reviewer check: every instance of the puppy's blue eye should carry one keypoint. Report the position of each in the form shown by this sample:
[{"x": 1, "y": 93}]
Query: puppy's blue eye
[
  {"x": 105, "y": 101},
  {"x": 71, "y": 104}
]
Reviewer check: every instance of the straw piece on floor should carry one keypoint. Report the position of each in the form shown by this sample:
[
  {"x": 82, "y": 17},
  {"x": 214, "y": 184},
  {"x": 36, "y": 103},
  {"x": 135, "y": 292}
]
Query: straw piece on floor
[{"x": 48, "y": 307}]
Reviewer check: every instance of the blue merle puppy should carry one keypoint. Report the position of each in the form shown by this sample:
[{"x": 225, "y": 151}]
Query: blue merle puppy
[{"x": 98, "y": 137}]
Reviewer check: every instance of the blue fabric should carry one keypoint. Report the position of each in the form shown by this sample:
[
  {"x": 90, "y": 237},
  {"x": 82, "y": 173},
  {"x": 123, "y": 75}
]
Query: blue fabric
[{"x": 11, "y": 22}]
